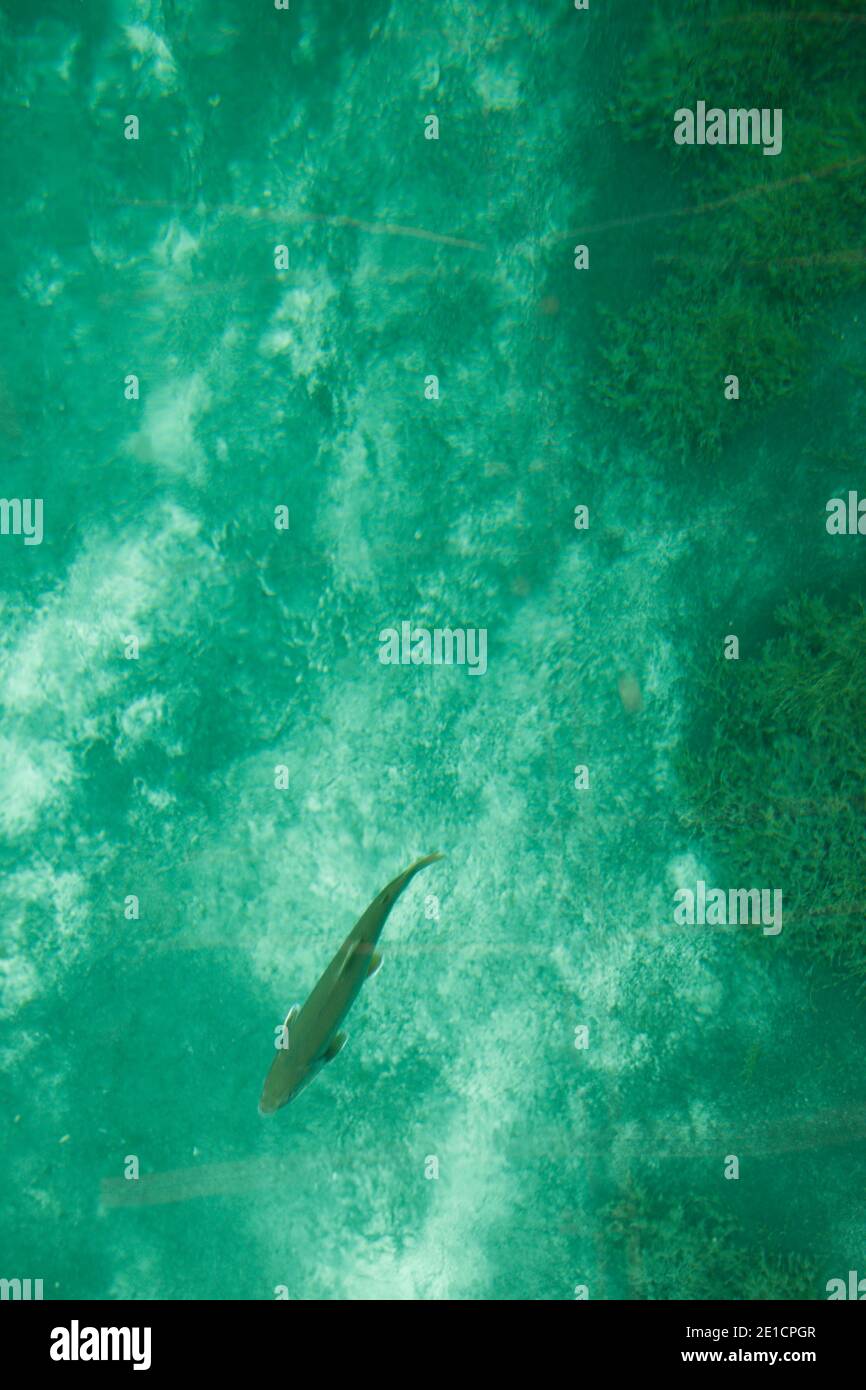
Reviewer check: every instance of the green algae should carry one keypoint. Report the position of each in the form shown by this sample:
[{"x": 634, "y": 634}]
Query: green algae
[
  {"x": 685, "y": 1247},
  {"x": 776, "y": 776},
  {"x": 750, "y": 249}
]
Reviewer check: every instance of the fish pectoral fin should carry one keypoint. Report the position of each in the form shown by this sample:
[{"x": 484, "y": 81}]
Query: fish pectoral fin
[
  {"x": 337, "y": 1043},
  {"x": 354, "y": 948},
  {"x": 375, "y": 962},
  {"x": 293, "y": 1013}
]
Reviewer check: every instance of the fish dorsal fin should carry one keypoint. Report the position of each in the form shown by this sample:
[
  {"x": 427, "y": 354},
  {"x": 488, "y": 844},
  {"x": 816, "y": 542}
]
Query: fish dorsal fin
[{"x": 292, "y": 1014}]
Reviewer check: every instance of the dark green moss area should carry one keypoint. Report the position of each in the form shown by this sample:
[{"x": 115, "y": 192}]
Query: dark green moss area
[
  {"x": 685, "y": 1247},
  {"x": 775, "y": 776},
  {"x": 748, "y": 249}
]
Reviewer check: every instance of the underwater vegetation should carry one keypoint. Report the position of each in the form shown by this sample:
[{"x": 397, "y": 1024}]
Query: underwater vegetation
[
  {"x": 755, "y": 247},
  {"x": 685, "y": 1247},
  {"x": 775, "y": 779}
]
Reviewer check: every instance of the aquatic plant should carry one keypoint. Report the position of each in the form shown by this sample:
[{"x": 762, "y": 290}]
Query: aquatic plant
[
  {"x": 684, "y": 1247},
  {"x": 775, "y": 777},
  {"x": 753, "y": 246},
  {"x": 694, "y": 49},
  {"x": 665, "y": 361}
]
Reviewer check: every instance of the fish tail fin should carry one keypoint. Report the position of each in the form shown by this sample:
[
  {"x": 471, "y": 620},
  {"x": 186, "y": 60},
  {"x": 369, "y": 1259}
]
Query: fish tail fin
[
  {"x": 422, "y": 863},
  {"x": 396, "y": 888}
]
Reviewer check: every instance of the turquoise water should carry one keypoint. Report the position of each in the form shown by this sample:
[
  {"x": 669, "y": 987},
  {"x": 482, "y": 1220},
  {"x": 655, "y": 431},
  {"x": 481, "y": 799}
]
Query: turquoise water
[{"x": 146, "y": 768}]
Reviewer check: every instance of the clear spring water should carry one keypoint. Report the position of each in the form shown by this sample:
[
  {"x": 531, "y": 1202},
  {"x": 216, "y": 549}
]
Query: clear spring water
[{"x": 258, "y": 649}]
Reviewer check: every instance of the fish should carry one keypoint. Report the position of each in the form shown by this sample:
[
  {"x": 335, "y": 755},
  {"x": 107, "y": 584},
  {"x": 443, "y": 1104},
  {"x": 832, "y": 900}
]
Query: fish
[{"x": 311, "y": 1035}]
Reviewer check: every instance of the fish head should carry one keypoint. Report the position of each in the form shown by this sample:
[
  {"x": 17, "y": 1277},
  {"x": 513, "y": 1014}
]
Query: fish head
[
  {"x": 287, "y": 1076},
  {"x": 284, "y": 1082}
]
